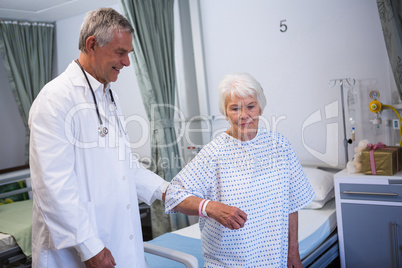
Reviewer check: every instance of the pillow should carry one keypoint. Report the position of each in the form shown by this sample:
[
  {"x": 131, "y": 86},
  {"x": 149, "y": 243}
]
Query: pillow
[
  {"x": 323, "y": 186},
  {"x": 317, "y": 204}
]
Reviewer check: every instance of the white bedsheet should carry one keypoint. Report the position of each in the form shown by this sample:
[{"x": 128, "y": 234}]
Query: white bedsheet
[
  {"x": 315, "y": 225},
  {"x": 6, "y": 242},
  {"x": 192, "y": 231}
]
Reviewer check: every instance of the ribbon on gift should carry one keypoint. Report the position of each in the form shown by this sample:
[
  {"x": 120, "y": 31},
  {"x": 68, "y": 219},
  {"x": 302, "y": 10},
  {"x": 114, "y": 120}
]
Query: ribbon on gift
[{"x": 380, "y": 145}]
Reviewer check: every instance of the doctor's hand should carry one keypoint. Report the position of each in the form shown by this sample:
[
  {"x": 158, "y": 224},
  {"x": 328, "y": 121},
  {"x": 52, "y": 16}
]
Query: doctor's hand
[
  {"x": 103, "y": 259},
  {"x": 230, "y": 217}
]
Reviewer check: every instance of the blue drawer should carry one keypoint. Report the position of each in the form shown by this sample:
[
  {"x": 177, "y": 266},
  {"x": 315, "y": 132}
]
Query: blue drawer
[{"x": 389, "y": 193}]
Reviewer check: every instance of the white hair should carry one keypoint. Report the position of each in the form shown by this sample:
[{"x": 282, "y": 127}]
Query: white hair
[{"x": 242, "y": 85}]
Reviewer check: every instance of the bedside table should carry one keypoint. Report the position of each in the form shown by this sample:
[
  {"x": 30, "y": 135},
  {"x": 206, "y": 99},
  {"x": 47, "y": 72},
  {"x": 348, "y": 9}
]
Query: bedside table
[{"x": 369, "y": 217}]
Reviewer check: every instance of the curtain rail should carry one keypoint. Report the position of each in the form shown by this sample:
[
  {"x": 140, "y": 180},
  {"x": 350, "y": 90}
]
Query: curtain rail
[{"x": 48, "y": 24}]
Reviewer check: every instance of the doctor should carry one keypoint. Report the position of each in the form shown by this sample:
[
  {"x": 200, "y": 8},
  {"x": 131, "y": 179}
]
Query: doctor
[{"x": 85, "y": 184}]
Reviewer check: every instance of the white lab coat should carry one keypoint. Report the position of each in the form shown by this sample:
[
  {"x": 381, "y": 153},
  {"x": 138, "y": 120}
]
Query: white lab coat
[{"x": 84, "y": 186}]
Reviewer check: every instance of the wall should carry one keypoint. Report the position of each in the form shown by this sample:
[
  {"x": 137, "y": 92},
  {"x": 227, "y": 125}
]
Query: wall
[{"x": 324, "y": 40}]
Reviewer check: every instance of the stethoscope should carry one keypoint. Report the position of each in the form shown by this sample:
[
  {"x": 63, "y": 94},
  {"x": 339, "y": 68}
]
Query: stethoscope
[{"x": 103, "y": 131}]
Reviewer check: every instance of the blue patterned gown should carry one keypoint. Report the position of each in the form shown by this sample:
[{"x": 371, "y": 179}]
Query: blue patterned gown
[{"x": 262, "y": 177}]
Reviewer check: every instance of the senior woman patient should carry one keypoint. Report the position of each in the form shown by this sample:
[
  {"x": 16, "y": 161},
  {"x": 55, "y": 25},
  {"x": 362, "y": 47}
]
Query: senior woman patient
[{"x": 247, "y": 186}]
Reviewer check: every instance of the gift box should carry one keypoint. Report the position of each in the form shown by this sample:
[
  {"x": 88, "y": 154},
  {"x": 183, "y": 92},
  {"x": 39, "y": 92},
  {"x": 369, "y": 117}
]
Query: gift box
[{"x": 380, "y": 159}]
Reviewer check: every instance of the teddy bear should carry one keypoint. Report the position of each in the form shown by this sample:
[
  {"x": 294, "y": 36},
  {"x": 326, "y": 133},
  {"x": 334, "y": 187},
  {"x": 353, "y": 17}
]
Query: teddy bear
[{"x": 355, "y": 165}]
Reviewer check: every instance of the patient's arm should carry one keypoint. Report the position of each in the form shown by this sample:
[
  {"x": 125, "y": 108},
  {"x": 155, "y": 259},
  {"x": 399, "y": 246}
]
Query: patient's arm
[
  {"x": 230, "y": 217},
  {"x": 293, "y": 247}
]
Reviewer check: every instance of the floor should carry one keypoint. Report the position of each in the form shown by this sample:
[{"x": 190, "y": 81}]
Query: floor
[{"x": 335, "y": 264}]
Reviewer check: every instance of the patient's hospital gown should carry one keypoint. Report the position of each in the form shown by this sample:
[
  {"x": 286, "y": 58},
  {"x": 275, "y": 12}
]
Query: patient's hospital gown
[
  {"x": 85, "y": 186},
  {"x": 262, "y": 177}
]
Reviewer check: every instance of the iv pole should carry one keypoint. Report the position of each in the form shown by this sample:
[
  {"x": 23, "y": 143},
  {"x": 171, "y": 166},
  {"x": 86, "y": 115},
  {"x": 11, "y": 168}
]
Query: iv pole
[{"x": 333, "y": 83}]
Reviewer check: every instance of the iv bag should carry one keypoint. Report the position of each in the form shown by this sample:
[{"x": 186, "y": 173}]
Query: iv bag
[{"x": 352, "y": 106}]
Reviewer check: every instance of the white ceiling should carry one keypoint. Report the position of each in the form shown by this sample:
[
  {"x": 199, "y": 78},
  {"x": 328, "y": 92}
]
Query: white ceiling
[{"x": 48, "y": 10}]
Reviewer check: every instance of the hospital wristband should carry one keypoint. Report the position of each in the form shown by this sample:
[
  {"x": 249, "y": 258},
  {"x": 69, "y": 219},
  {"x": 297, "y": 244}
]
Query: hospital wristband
[
  {"x": 200, "y": 208},
  {"x": 204, "y": 207}
]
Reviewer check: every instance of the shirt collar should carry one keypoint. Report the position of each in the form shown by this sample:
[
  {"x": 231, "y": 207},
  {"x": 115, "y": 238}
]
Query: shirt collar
[{"x": 96, "y": 85}]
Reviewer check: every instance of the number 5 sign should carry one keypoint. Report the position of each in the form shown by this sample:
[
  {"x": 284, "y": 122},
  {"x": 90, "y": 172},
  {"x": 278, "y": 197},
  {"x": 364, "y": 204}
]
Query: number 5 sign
[{"x": 283, "y": 27}]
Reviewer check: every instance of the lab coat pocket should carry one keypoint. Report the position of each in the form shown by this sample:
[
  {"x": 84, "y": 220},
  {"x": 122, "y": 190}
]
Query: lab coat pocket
[{"x": 106, "y": 220}]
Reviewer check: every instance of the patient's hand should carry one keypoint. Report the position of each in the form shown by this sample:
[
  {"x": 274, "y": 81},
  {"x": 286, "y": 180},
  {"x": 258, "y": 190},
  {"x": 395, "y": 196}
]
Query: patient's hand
[
  {"x": 294, "y": 259},
  {"x": 103, "y": 259},
  {"x": 230, "y": 217}
]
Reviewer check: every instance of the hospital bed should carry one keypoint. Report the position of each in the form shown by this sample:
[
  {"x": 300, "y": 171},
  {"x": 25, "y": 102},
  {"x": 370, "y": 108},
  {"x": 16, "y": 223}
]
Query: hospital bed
[
  {"x": 16, "y": 222},
  {"x": 318, "y": 240}
]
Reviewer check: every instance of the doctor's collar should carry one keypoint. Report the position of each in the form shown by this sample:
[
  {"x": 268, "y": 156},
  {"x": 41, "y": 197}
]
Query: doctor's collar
[{"x": 96, "y": 85}]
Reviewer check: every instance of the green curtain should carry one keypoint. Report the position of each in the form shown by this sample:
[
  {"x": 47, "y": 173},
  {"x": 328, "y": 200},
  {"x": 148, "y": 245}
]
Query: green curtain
[
  {"x": 26, "y": 49},
  {"x": 153, "y": 60},
  {"x": 391, "y": 21}
]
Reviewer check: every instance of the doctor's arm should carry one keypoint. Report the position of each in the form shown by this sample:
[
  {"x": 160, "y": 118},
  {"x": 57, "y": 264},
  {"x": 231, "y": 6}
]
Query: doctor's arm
[
  {"x": 293, "y": 244},
  {"x": 149, "y": 186}
]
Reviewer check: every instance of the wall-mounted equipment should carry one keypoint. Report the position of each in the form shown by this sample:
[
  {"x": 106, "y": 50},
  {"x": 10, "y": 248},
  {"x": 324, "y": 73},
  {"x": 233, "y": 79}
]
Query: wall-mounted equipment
[{"x": 377, "y": 107}]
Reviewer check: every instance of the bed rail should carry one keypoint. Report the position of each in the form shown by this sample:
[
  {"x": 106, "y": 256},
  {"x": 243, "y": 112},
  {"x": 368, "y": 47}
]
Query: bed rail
[
  {"x": 15, "y": 176},
  {"x": 188, "y": 260}
]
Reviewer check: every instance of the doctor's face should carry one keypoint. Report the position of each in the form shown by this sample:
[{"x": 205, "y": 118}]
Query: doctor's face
[
  {"x": 243, "y": 115},
  {"x": 110, "y": 59}
]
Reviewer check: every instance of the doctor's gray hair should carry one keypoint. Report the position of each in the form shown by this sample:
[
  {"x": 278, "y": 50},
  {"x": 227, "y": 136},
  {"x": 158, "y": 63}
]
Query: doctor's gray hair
[
  {"x": 243, "y": 85},
  {"x": 101, "y": 23}
]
